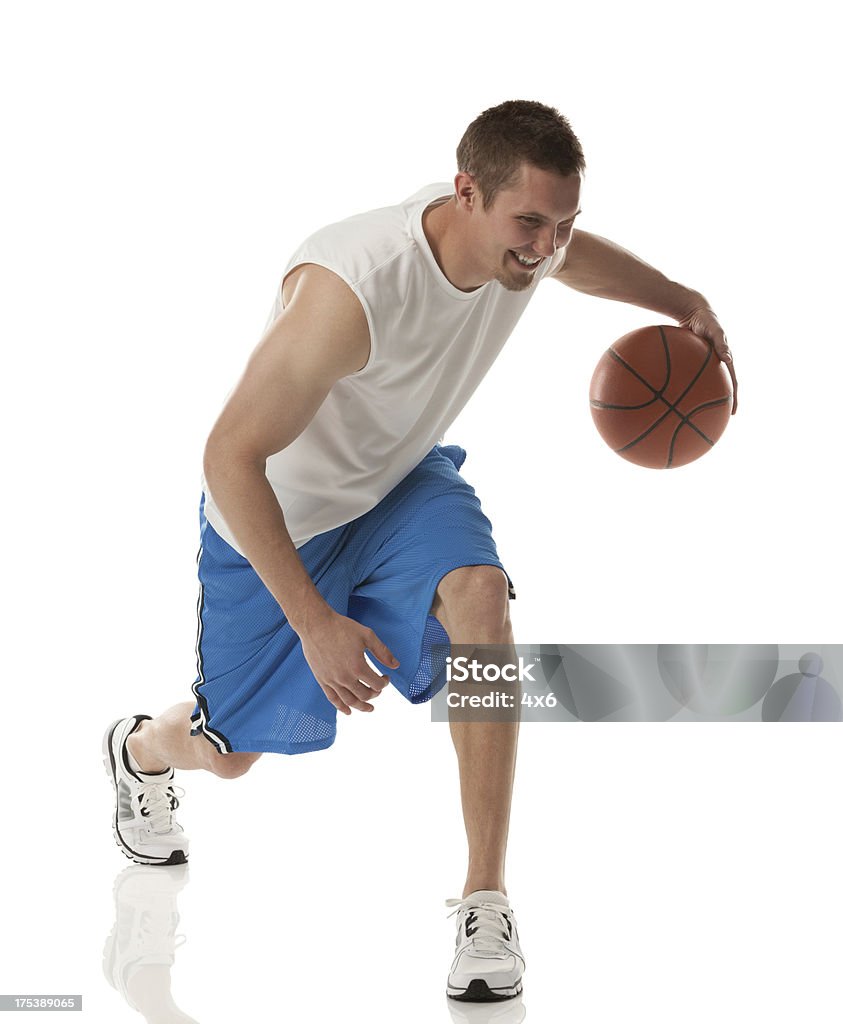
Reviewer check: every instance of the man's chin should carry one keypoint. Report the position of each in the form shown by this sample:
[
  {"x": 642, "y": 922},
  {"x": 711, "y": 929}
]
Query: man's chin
[{"x": 513, "y": 284}]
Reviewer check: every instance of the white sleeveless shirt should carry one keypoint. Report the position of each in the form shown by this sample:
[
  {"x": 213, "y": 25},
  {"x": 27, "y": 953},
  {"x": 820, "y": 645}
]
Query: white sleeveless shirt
[{"x": 431, "y": 345}]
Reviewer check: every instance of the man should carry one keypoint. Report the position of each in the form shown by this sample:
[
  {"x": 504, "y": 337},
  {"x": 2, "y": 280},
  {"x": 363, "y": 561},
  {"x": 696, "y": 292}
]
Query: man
[{"x": 333, "y": 523}]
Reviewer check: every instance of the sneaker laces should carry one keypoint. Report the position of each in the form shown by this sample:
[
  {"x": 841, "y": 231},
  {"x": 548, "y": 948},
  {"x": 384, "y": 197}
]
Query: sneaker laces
[
  {"x": 490, "y": 924},
  {"x": 158, "y": 800}
]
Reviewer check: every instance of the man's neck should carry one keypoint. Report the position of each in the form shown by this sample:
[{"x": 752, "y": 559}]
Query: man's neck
[{"x": 442, "y": 233}]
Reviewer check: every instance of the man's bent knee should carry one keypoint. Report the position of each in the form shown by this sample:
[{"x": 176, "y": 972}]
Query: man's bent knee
[
  {"x": 482, "y": 589},
  {"x": 230, "y": 766}
]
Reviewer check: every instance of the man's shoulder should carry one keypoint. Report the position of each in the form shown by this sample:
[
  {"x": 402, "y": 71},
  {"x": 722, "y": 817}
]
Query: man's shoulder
[
  {"x": 396, "y": 217},
  {"x": 366, "y": 241}
]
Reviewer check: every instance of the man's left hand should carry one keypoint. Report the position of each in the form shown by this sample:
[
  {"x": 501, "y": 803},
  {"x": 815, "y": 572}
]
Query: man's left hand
[{"x": 703, "y": 321}]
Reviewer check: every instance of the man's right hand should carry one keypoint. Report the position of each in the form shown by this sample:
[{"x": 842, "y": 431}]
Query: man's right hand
[{"x": 333, "y": 647}]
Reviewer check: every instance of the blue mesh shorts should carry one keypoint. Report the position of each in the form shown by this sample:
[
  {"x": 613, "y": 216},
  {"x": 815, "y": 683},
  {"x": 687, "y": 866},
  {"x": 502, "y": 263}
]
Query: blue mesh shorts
[{"x": 254, "y": 689}]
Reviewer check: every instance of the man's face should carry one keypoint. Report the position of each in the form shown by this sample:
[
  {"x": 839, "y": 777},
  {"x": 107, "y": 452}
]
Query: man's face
[{"x": 533, "y": 218}]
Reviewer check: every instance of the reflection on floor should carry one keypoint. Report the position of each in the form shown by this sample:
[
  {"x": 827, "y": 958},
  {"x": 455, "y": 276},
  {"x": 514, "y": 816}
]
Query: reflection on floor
[
  {"x": 510, "y": 1011},
  {"x": 141, "y": 948},
  {"x": 140, "y": 951}
]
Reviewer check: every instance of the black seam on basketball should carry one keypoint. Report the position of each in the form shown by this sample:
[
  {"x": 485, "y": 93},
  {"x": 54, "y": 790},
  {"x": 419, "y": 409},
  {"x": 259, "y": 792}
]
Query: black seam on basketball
[
  {"x": 705, "y": 405},
  {"x": 649, "y": 430},
  {"x": 659, "y": 393},
  {"x": 671, "y": 407},
  {"x": 710, "y": 405},
  {"x": 673, "y": 442},
  {"x": 635, "y": 373},
  {"x": 684, "y": 421},
  {"x": 697, "y": 375}
]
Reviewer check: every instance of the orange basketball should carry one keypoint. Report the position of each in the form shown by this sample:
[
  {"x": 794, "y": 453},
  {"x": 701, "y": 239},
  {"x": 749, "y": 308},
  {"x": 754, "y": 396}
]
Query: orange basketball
[{"x": 660, "y": 397}]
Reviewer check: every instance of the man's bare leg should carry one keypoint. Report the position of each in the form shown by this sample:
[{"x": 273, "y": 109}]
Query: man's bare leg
[
  {"x": 472, "y": 603},
  {"x": 165, "y": 742}
]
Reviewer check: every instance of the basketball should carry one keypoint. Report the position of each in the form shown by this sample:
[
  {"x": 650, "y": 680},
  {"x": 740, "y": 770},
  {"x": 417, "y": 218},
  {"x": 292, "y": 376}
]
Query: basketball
[{"x": 660, "y": 397}]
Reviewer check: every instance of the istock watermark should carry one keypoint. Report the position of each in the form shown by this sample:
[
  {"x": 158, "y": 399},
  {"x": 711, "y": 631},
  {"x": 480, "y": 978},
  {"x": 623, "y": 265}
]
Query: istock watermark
[
  {"x": 461, "y": 669},
  {"x": 637, "y": 682}
]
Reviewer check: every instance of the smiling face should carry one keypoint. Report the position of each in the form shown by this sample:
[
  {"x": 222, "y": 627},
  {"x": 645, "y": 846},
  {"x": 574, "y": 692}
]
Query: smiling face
[{"x": 530, "y": 219}]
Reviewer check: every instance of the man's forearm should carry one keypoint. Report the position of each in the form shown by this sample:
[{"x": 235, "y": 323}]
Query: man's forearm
[
  {"x": 248, "y": 504},
  {"x": 597, "y": 266}
]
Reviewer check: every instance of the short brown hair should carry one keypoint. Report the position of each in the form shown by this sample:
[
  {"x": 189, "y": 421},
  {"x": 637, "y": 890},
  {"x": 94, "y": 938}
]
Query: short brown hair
[{"x": 500, "y": 139}]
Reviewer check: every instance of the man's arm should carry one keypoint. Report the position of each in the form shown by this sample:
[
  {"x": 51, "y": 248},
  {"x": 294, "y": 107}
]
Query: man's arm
[
  {"x": 321, "y": 335},
  {"x": 597, "y": 266}
]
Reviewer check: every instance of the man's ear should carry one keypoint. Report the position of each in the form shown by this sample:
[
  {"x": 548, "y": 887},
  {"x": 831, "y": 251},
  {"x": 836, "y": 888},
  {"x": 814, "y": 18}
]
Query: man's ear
[{"x": 465, "y": 188}]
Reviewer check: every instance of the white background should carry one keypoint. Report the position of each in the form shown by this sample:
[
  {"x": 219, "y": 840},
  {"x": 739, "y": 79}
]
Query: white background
[{"x": 161, "y": 162}]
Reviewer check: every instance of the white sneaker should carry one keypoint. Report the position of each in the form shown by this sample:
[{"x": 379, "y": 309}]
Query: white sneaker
[
  {"x": 145, "y": 826},
  {"x": 489, "y": 963}
]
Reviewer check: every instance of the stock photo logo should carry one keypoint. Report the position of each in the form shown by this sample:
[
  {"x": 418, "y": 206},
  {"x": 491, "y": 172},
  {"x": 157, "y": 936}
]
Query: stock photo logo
[{"x": 642, "y": 682}]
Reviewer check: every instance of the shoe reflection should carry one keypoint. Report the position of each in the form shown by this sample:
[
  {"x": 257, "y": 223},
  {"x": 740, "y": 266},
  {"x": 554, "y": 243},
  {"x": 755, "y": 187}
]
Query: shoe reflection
[
  {"x": 507, "y": 1011},
  {"x": 141, "y": 948}
]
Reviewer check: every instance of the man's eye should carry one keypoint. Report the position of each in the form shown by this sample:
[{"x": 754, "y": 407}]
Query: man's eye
[{"x": 528, "y": 220}]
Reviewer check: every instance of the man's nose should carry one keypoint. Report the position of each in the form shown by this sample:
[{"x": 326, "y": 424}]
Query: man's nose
[{"x": 547, "y": 242}]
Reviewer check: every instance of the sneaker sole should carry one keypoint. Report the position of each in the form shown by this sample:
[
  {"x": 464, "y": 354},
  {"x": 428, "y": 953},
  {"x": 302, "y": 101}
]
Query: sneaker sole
[
  {"x": 177, "y": 856},
  {"x": 479, "y": 992}
]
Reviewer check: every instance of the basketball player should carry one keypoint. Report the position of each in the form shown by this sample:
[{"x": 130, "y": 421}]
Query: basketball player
[{"x": 333, "y": 523}]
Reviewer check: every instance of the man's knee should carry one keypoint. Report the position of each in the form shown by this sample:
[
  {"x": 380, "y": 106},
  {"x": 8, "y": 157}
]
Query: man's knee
[
  {"x": 481, "y": 589},
  {"x": 229, "y": 766}
]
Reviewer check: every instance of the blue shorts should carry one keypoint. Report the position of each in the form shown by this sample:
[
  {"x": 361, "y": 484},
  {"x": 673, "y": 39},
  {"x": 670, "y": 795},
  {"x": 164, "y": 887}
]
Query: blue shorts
[{"x": 254, "y": 689}]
